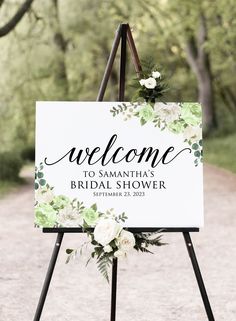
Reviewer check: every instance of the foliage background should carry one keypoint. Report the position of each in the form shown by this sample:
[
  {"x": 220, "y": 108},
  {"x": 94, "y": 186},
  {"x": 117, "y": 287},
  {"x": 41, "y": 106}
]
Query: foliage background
[{"x": 59, "y": 48}]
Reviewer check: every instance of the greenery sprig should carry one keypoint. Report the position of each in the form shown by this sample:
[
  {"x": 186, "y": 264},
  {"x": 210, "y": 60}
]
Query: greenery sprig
[
  {"x": 144, "y": 240},
  {"x": 39, "y": 176}
]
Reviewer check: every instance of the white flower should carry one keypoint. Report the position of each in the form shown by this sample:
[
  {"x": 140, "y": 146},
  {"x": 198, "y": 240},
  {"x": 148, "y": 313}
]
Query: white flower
[
  {"x": 192, "y": 133},
  {"x": 119, "y": 254},
  {"x": 69, "y": 217},
  {"x": 106, "y": 230},
  {"x": 125, "y": 241},
  {"x": 156, "y": 74},
  {"x": 44, "y": 195},
  {"x": 107, "y": 249},
  {"x": 142, "y": 82},
  {"x": 150, "y": 83},
  {"x": 167, "y": 112}
]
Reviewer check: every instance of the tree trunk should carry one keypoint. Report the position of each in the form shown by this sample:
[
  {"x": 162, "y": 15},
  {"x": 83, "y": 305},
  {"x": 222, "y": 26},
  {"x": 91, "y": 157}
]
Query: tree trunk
[
  {"x": 206, "y": 98},
  {"x": 59, "y": 64},
  {"x": 199, "y": 62}
]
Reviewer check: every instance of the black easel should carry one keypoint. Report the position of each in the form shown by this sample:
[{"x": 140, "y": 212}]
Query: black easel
[{"x": 124, "y": 35}]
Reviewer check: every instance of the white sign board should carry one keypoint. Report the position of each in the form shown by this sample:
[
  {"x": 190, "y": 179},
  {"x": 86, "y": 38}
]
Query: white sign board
[{"x": 139, "y": 159}]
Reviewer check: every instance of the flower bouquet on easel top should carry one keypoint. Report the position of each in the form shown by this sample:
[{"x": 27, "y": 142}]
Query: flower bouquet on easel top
[
  {"x": 179, "y": 118},
  {"x": 150, "y": 86}
]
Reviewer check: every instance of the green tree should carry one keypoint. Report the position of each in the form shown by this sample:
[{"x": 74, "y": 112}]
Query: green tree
[{"x": 57, "y": 50}]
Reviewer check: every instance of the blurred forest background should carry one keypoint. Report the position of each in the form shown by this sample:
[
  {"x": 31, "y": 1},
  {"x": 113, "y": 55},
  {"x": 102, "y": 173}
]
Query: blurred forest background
[{"x": 58, "y": 49}]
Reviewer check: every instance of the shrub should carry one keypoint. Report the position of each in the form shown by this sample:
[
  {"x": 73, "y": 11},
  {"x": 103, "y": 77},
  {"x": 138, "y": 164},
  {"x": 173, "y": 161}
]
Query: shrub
[
  {"x": 10, "y": 166},
  {"x": 28, "y": 153}
]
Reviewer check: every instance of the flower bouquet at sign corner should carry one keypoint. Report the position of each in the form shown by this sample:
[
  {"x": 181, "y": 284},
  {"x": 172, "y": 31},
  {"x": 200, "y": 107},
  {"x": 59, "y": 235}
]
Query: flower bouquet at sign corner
[
  {"x": 179, "y": 118},
  {"x": 107, "y": 238}
]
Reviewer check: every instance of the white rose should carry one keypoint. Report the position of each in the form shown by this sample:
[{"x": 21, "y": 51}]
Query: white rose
[
  {"x": 69, "y": 217},
  {"x": 156, "y": 74},
  {"x": 192, "y": 133},
  {"x": 125, "y": 241},
  {"x": 142, "y": 82},
  {"x": 106, "y": 230},
  {"x": 44, "y": 195},
  {"x": 107, "y": 249},
  {"x": 119, "y": 254},
  {"x": 150, "y": 83},
  {"x": 168, "y": 112}
]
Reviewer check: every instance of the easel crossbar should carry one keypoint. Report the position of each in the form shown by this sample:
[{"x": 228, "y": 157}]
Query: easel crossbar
[{"x": 133, "y": 229}]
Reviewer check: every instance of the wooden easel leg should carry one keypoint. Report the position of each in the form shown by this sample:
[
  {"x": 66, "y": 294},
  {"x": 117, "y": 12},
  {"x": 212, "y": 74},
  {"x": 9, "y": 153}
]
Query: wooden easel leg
[
  {"x": 121, "y": 95},
  {"x": 113, "y": 289},
  {"x": 109, "y": 65},
  {"x": 48, "y": 277},
  {"x": 198, "y": 275},
  {"x": 123, "y": 58}
]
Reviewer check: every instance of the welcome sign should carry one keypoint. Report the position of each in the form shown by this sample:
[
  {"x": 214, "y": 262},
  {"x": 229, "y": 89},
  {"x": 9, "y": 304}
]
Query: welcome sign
[{"x": 119, "y": 157}]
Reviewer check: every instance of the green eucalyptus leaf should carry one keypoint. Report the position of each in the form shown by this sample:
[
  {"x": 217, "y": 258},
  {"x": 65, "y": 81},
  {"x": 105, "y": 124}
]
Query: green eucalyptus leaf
[
  {"x": 40, "y": 175},
  {"x": 197, "y": 153},
  {"x": 195, "y": 146},
  {"x": 42, "y": 182}
]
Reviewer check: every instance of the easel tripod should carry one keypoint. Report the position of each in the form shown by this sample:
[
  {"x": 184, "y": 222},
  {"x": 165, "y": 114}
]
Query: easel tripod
[{"x": 123, "y": 35}]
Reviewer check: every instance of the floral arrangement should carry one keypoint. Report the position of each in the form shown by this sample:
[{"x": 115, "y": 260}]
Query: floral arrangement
[
  {"x": 178, "y": 118},
  {"x": 150, "y": 86},
  {"x": 53, "y": 210},
  {"x": 107, "y": 238}
]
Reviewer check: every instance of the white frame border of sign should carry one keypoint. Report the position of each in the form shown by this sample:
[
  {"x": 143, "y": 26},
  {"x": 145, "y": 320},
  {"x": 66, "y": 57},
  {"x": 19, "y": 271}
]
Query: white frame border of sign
[{"x": 158, "y": 180}]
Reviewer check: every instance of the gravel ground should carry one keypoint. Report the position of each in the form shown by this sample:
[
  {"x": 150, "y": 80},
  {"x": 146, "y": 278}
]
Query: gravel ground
[{"x": 150, "y": 287}]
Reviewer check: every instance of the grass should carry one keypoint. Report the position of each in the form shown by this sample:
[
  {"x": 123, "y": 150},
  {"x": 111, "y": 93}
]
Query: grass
[{"x": 221, "y": 151}]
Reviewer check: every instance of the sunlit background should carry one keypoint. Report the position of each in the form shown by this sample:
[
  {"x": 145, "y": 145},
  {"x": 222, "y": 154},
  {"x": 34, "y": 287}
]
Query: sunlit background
[{"x": 57, "y": 50}]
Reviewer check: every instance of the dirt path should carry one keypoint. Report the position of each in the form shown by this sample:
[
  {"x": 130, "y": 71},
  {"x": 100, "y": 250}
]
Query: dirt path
[{"x": 150, "y": 288}]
